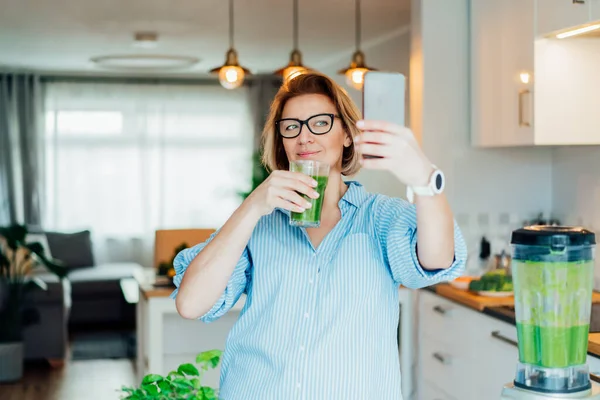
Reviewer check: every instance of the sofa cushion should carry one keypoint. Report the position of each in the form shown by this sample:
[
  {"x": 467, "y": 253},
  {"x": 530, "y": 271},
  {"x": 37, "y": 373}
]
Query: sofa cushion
[{"x": 73, "y": 249}]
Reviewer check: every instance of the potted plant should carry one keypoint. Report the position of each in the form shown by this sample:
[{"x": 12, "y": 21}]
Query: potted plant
[
  {"x": 185, "y": 383},
  {"x": 17, "y": 260}
]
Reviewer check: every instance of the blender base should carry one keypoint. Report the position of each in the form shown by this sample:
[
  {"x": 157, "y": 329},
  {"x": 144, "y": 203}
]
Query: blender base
[{"x": 510, "y": 392}]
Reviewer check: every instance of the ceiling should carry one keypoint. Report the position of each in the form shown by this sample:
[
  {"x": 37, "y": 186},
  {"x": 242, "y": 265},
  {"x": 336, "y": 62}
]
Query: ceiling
[{"x": 62, "y": 35}]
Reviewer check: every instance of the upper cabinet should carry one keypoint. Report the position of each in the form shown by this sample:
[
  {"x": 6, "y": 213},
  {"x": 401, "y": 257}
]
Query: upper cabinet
[
  {"x": 595, "y": 10},
  {"x": 527, "y": 89},
  {"x": 554, "y": 15},
  {"x": 502, "y": 63}
]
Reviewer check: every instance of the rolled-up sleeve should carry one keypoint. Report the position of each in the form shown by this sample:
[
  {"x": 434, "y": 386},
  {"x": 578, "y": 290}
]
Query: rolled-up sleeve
[
  {"x": 235, "y": 286},
  {"x": 396, "y": 229}
]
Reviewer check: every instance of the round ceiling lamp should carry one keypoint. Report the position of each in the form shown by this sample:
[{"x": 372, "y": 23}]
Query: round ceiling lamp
[
  {"x": 231, "y": 74},
  {"x": 144, "y": 62},
  {"x": 355, "y": 73},
  {"x": 295, "y": 66}
]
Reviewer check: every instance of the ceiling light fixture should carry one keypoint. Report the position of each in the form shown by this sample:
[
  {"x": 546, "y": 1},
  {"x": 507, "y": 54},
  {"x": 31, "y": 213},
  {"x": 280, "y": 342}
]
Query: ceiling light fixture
[
  {"x": 144, "y": 62},
  {"x": 231, "y": 74},
  {"x": 294, "y": 67},
  {"x": 355, "y": 73}
]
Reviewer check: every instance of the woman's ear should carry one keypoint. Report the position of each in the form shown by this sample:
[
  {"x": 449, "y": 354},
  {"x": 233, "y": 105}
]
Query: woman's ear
[{"x": 348, "y": 141}]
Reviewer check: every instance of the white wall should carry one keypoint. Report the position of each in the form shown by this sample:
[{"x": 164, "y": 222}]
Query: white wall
[{"x": 491, "y": 191}]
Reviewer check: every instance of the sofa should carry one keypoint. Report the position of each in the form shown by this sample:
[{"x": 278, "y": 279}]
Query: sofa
[{"x": 89, "y": 297}]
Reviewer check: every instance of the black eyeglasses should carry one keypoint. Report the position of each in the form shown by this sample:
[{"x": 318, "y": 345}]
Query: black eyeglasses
[{"x": 319, "y": 124}]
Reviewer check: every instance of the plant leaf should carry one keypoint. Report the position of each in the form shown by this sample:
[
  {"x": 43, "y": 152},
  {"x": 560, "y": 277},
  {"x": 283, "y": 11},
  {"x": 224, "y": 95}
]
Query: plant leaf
[
  {"x": 209, "y": 393},
  {"x": 151, "y": 378},
  {"x": 165, "y": 387},
  {"x": 152, "y": 389},
  {"x": 188, "y": 369},
  {"x": 210, "y": 358}
]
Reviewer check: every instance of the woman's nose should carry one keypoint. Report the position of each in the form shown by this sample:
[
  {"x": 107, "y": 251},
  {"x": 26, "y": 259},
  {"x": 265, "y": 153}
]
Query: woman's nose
[{"x": 305, "y": 135}]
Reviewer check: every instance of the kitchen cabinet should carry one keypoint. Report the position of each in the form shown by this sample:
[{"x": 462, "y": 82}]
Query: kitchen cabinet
[
  {"x": 595, "y": 10},
  {"x": 554, "y": 15},
  {"x": 502, "y": 48},
  {"x": 519, "y": 85},
  {"x": 463, "y": 354}
]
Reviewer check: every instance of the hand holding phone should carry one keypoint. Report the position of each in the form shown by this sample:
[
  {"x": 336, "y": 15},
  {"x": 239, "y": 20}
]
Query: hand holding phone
[
  {"x": 385, "y": 142},
  {"x": 384, "y": 98}
]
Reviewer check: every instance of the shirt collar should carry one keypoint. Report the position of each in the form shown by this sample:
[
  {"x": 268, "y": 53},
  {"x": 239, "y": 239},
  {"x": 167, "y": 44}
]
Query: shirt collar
[{"x": 355, "y": 195}]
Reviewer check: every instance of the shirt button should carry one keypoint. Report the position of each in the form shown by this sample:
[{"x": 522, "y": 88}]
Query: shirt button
[
  {"x": 310, "y": 281},
  {"x": 305, "y": 315},
  {"x": 301, "y": 348},
  {"x": 298, "y": 385}
]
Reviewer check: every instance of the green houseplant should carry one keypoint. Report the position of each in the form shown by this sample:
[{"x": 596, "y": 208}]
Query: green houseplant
[
  {"x": 17, "y": 261},
  {"x": 259, "y": 174},
  {"x": 185, "y": 383}
]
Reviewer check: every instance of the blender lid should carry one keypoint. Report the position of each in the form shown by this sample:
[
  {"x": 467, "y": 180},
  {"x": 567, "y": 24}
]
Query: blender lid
[{"x": 548, "y": 235}]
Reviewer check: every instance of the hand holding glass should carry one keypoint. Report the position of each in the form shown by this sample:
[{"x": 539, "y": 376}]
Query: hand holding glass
[{"x": 319, "y": 171}]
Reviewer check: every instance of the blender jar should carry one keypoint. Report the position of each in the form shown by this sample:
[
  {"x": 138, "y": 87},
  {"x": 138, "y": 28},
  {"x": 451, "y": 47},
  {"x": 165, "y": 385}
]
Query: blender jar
[{"x": 553, "y": 273}]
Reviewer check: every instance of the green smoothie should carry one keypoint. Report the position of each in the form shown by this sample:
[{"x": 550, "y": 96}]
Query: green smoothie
[
  {"x": 552, "y": 347},
  {"x": 553, "y": 304},
  {"x": 311, "y": 217}
]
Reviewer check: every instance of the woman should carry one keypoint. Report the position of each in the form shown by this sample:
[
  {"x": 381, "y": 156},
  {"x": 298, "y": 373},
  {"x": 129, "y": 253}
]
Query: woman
[{"x": 322, "y": 310}]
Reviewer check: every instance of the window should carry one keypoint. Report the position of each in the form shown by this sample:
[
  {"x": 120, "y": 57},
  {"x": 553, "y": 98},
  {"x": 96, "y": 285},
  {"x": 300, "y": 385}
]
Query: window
[{"x": 126, "y": 159}]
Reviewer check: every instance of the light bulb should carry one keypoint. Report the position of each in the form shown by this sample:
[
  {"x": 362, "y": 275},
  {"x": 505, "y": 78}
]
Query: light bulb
[
  {"x": 231, "y": 76},
  {"x": 524, "y": 77},
  {"x": 290, "y": 73},
  {"x": 355, "y": 77}
]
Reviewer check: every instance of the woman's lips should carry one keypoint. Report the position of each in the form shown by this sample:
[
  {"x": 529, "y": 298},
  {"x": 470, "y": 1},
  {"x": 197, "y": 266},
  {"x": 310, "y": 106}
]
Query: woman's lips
[{"x": 307, "y": 153}]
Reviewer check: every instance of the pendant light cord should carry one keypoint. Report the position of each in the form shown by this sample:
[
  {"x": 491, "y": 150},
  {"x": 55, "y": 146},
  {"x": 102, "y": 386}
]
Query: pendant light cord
[
  {"x": 231, "y": 24},
  {"x": 357, "y": 30},
  {"x": 295, "y": 24}
]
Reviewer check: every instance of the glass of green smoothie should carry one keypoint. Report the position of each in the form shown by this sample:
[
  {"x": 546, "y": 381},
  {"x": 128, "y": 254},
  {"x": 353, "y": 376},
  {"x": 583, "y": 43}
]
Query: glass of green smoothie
[
  {"x": 319, "y": 171},
  {"x": 553, "y": 274}
]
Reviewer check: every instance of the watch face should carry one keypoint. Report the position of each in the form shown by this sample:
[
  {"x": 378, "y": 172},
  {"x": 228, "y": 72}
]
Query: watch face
[{"x": 439, "y": 181}]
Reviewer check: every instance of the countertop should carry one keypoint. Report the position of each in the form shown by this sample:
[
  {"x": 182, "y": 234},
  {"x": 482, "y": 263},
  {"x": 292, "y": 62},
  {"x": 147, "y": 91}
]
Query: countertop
[{"x": 502, "y": 308}]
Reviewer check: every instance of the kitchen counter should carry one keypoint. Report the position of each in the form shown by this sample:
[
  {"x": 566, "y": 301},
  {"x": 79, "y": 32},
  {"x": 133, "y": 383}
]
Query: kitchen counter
[{"x": 503, "y": 309}]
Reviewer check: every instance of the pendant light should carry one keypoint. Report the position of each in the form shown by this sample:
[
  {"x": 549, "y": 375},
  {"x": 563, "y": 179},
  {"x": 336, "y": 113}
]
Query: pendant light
[
  {"x": 231, "y": 74},
  {"x": 356, "y": 72},
  {"x": 294, "y": 67}
]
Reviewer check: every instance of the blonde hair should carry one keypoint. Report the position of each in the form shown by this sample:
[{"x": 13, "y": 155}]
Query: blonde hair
[{"x": 273, "y": 156}]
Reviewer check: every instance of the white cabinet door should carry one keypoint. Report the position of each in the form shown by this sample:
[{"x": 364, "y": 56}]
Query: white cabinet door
[
  {"x": 502, "y": 48},
  {"x": 430, "y": 392},
  {"x": 595, "y": 10},
  {"x": 498, "y": 361},
  {"x": 555, "y": 15}
]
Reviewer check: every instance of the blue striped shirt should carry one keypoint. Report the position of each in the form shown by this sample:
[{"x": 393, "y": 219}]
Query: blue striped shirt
[{"x": 322, "y": 323}]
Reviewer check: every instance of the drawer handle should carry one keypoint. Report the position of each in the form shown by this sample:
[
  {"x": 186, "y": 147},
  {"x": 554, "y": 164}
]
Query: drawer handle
[
  {"x": 578, "y": 1},
  {"x": 441, "y": 310},
  {"x": 501, "y": 337},
  {"x": 441, "y": 358}
]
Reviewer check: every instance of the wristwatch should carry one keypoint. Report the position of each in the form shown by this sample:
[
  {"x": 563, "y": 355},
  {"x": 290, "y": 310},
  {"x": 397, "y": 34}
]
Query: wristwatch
[{"x": 436, "y": 185}]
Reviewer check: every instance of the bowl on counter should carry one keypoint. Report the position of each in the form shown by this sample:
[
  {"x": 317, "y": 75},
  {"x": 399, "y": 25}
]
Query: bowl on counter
[{"x": 462, "y": 282}]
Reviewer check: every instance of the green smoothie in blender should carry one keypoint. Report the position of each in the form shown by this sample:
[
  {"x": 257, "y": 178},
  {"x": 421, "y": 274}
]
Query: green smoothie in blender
[{"x": 554, "y": 331}]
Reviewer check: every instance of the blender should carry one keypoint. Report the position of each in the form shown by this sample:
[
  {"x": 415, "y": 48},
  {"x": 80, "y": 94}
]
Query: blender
[{"x": 553, "y": 273}]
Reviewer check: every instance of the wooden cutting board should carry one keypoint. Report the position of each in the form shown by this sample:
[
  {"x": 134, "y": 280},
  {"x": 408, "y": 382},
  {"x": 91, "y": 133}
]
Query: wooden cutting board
[
  {"x": 473, "y": 300},
  {"x": 594, "y": 343}
]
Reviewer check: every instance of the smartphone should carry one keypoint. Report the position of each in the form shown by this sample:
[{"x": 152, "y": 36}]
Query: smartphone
[{"x": 384, "y": 97}]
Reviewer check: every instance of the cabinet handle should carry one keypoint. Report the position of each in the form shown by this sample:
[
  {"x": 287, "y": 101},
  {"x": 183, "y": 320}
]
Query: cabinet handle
[
  {"x": 441, "y": 358},
  {"x": 522, "y": 121},
  {"x": 501, "y": 337},
  {"x": 578, "y": 1},
  {"x": 441, "y": 310}
]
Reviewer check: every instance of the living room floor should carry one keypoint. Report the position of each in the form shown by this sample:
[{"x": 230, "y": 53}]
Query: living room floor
[{"x": 76, "y": 380}]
